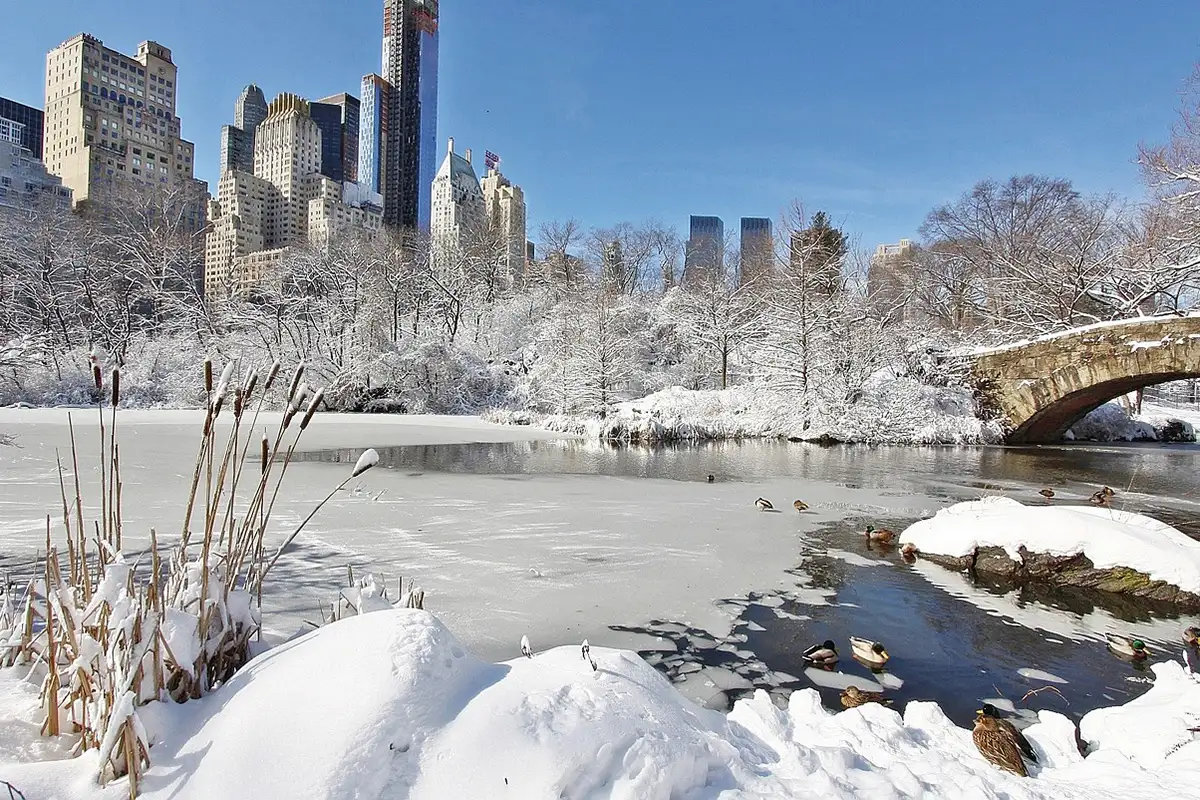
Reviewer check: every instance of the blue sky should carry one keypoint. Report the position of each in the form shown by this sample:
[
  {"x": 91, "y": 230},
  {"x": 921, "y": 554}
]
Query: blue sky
[{"x": 873, "y": 111}]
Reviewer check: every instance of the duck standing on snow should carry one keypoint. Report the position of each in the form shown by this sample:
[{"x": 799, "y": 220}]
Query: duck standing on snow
[
  {"x": 526, "y": 650},
  {"x": 1047, "y": 493},
  {"x": 881, "y": 535},
  {"x": 1124, "y": 646},
  {"x": 872, "y": 653},
  {"x": 712, "y": 478},
  {"x": 587, "y": 655},
  {"x": 853, "y": 697},
  {"x": 764, "y": 504},
  {"x": 800, "y": 505},
  {"x": 822, "y": 654},
  {"x": 998, "y": 745},
  {"x": 1023, "y": 744}
]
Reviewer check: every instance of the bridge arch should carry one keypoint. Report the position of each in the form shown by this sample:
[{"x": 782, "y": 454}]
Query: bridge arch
[{"x": 1041, "y": 388}]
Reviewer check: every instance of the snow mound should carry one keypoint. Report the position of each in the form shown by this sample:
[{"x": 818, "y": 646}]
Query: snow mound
[
  {"x": 891, "y": 411},
  {"x": 1110, "y": 538},
  {"x": 389, "y": 705}
]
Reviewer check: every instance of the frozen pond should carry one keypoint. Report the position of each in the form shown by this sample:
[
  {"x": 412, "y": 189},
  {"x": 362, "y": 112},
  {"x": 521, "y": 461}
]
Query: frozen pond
[{"x": 513, "y": 531}]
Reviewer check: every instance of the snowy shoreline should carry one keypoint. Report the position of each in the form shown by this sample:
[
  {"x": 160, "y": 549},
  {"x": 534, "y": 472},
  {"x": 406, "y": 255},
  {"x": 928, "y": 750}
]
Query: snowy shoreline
[{"x": 407, "y": 711}]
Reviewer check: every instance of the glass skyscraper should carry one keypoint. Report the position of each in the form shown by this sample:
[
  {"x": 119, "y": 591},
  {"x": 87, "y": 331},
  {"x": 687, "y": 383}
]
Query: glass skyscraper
[
  {"x": 33, "y": 120},
  {"x": 409, "y": 132},
  {"x": 371, "y": 127},
  {"x": 705, "y": 246}
]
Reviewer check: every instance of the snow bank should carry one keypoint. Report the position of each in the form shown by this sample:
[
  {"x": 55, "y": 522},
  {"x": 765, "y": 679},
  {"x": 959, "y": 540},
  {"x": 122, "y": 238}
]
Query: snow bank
[
  {"x": 1112, "y": 422},
  {"x": 891, "y": 411},
  {"x": 1110, "y": 538},
  {"x": 390, "y": 705}
]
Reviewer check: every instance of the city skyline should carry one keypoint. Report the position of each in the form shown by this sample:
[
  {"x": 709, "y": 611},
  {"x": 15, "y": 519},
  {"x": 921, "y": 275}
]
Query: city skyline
[{"x": 874, "y": 147}]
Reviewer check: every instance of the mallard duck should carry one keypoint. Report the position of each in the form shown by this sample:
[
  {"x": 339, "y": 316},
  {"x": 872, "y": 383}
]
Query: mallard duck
[
  {"x": 998, "y": 745},
  {"x": 1124, "y": 646},
  {"x": 764, "y": 505},
  {"x": 1191, "y": 636},
  {"x": 881, "y": 535},
  {"x": 587, "y": 655},
  {"x": 1099, "y": 499},
  {"x": 800, "y": 505},
  {"x": 712, "y": 478},
  {"x": 853, "y": 697},
  {"x": 870, "y": 652},
  {"x": 1047, "y": 493},
  {"x": 824, "y": 653},
  {"x": 908, "y": 551},
  {"x": 1026, "y": 749},
  {"x": 526, "y": 650}
]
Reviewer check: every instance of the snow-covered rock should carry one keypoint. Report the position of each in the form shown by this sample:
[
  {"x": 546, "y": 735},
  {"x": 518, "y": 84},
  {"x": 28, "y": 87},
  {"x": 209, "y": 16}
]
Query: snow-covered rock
[
  {"x": 1108, "y": 537},
  {"x": 390, "y": 705}
]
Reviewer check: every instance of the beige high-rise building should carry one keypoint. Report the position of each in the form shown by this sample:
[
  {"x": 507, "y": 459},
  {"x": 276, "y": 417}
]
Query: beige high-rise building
[
  {"x": 505, "y": 211},
  {"x": 111, "y": 125},
  {"x": 458, "y": 213},
  {"x": 286, "y": 203}
]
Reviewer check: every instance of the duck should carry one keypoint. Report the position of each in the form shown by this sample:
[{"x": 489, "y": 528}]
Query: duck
[
  {"x": 1047, "y": 493},
  {"x": 908, "y": 551},
  {"x": 1022, "y": 743},
  {"x": 870, "y": 652},
  {"x": 998, "y": 745},
  {"x": 764, "y": 504},
  {"x": 1124, "y": 646},
  {"x": 1103, "y": 496},
  {"x": 586, "y": 650},
  {"x": 853, "y": 697},
  {"x": 824, "y": 653},
  {"x": 800, "y": 505},
  {"x": 881, "y": 535},
  {"x": 712, "y": 478},
  {"x": 1191, "y": 636},
  {"x": 526, "y": 650}
]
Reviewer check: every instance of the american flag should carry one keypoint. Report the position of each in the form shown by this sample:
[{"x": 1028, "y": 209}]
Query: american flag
[{"x": 490, "y": 158}]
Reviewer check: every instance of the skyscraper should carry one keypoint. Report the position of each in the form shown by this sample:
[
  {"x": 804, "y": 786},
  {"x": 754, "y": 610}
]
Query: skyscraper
[
  {"x": 705, "y": 247},
  {"x": 110, "y": 122},
  {"x": 339, "y": 135},
  {"x": 237, "y": 140},
  {"x": 410, "y": 70},
  {"x": 372, "y": 129},
  {"x": 757, "y": 249},
  {"x": 31, "y": 120},
  {"x": 504, "y": 206},
  {"x": 458, "y": 208}
]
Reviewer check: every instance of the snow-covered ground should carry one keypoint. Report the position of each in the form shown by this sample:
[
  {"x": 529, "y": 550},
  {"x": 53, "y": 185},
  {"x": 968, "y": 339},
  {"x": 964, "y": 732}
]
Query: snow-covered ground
[
  {"x": 892, "y": 410},
  {"x": 1108, "y": 536},
  {"x": 391, "y": 705}
]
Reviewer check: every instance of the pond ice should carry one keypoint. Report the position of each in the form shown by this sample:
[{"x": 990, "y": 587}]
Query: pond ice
[{"x": 1040, "y": 675}]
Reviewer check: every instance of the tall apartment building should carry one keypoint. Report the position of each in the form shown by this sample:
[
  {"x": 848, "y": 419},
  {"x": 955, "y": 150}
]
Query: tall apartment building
[
  {"x": 237, "y": 140},
  {"x": 31, "y": 121},
  {"x": 25, "y": 186},
  {"x": 504, "y": 209},
  {"x": 705, "y": 247},
  {"x": 889, "y": 275},
  {"x": 285, "y": 202},
  {"x": 338, "y": 117},
  {"x": 406, "y": 142},
  {"x": 111, "y": 124},
  {"x": 458, "y": 205},
  {"x": 757, "y": 249},
  {"x": 372, "y": 130}
]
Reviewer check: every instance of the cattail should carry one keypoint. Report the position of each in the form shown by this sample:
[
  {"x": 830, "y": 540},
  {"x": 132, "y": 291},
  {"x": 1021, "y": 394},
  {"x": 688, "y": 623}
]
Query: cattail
[
  {"x": 368, "y": 459},
  {"x": 312, "y": 408},
  {"x": 237, "y": 402},
  {"x": 208, "y": 384},
  {"x": 116, "y": 387},
  {"x": 226, "y": 374},
  {"x": 295, "y": 401},
  {"x": 296, "y": 376},
  {"x": 271, "y": 375},
  {"x": 97, "y": 377},
  {"x": 264, "y": 452},
  {"x": 251, "y": 382}
]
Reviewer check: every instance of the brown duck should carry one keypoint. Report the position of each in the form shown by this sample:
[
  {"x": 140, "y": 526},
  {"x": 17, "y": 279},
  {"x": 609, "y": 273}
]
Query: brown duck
[
  {"x": 998, "y": 745},
  {"x": 853, "y": 697},
  {"x": 881, "y": 535}
]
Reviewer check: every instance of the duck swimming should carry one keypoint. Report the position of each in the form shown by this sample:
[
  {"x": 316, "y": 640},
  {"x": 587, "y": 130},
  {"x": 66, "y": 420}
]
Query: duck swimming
[
  {"x": 1124, "y": 646},
  {"x": 881, "y": 535},
  {"x": 869, "y": 652},
  {"x": 824, "y": 653},
  {"x": 764, "y": 504}
]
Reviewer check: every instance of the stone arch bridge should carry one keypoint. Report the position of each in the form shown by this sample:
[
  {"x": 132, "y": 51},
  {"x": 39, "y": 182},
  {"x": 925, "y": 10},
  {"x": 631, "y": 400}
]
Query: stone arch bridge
[{"x": 1042, "y": 387}]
